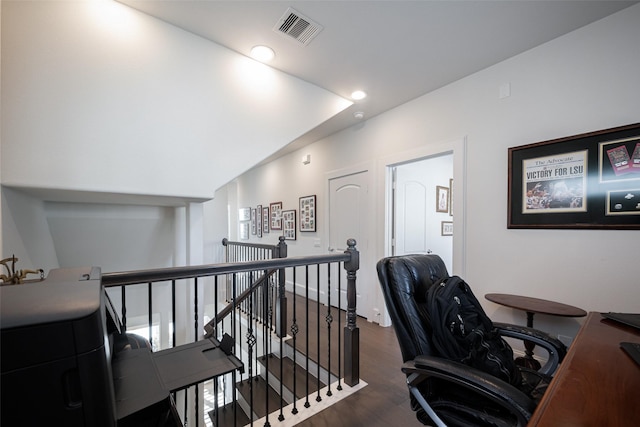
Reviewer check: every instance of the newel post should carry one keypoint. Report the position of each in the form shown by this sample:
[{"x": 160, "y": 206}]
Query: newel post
[
  {"x": 351, "y": 331},
  {"x": 281, "y": 304}
]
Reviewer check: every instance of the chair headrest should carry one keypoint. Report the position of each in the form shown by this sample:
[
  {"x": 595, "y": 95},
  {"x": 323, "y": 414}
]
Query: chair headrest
[{"x": 416, "y": 271}]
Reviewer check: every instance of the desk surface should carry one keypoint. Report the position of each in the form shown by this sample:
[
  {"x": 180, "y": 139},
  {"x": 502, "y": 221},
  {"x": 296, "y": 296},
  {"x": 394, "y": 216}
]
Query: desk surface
[
  {"x": 536, "y": 305},
  {"x": 597, "y": 384}
]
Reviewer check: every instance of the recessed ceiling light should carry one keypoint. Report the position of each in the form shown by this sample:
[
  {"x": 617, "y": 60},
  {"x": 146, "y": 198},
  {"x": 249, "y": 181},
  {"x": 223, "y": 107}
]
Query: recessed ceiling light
[
  {"x": 262, "y": 53},
  {"x": 358, "y": 95}
]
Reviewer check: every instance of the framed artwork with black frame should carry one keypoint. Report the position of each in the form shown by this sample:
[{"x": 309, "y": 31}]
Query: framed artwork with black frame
[
  {"x": 253, "y": 221},
  {"x": 275, "y": 209},
  {"x": 265, "y": 220},
  {"x": 289, "y": 224},
  {"x": 591, "y": 180},
  {"x": 259, "y": 220},
  {"x": 308, "y": 213}
]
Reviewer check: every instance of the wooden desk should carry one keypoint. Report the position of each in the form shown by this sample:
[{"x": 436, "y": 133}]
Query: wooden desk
[
  {"x": 597, "y": 384},
  {"x": 531, "y": 306}
]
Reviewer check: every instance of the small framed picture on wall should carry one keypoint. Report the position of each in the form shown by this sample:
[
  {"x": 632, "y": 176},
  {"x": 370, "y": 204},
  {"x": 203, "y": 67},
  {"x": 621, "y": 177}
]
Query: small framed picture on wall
[
  {"x": 259, "y": 220},
  {"x": 253, "y": 221},
  {"x": 289, "y": 224},
  {"x": 244, "y": 214},
  {"x": 442, "y": 199},
  {"x": 265, "y": 219},
  {"x": 244, "y": 230},
  {"x": 308, "y": 213},
  {"x": 276, "y": 215},
  {"x": 446, "y": 228}
]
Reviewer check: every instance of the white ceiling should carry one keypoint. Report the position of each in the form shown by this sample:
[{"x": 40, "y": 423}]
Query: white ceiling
[{"x": 394, "y": 50}]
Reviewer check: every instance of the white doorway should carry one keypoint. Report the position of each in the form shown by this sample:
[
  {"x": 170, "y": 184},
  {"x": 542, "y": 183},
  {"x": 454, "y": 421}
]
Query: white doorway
[
  {"x": 349, "y": 217},
  {"x": 456, "y": 148},
  {"x": 421, "y": 220}
]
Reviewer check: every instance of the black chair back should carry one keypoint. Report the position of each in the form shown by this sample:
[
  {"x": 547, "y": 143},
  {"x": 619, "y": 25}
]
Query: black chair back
[{"x": 404, "y": 282}]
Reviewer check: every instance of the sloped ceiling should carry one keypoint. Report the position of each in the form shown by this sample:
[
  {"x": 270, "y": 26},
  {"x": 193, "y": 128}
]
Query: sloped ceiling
[{"x": 394, "y": 50}]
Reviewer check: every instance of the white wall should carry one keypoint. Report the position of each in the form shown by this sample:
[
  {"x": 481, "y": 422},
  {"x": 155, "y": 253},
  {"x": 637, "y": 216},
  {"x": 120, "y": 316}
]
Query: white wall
[
  {"x": 114, "y": 107},
  {"x": 115, "y": 237},
  {"x": 216, "y": 226},
  {"x": 100, "y": 97},
  {"x": 50, "y": 235},
  {"x": 25, "y": 232},
  {"x": 584, "y": 81}
]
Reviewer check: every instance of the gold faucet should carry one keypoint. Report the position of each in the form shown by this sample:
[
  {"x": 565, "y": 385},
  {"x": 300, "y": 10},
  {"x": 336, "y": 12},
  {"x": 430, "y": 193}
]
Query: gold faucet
[{"x": 14, "y": 277}]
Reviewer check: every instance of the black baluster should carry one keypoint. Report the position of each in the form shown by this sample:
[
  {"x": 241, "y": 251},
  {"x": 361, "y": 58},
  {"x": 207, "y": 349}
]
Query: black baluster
[
  {"x": 339, "y": 387},
  {"x": 329, "y": 319},
  {"x": 173, "y": 312},
  {"x": 306, "y": 403},
  {"x": 251, "y": 340},
  {"x": 318, "y": 397},
  {"x": 294, "y": 334},
  {"x": 150, "y": 313},
  {"x": 123, "y": 294},
  {"x": 265, "y": 306},
  {"x": 351, "y": 331},
  {"x": 196, "y": 334}
]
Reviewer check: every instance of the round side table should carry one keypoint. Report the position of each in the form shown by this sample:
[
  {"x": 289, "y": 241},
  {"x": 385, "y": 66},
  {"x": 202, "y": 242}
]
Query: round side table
[{"x": 531, "y": 306}]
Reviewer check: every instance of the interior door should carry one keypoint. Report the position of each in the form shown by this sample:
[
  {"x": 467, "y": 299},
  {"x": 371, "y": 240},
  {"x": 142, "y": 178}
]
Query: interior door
[{"x": 349, "y": 218}]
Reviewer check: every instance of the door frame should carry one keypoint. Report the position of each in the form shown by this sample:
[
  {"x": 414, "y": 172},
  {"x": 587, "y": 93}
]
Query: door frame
[
  {"x": 431, "y": 238},
  {"x": 458, "y": 147}
]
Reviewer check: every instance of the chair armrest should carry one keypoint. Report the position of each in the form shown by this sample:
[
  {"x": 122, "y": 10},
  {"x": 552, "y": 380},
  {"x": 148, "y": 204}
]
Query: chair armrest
[
  {"x": 474, "y": 380},
  {"x": 556, "y": 349}
]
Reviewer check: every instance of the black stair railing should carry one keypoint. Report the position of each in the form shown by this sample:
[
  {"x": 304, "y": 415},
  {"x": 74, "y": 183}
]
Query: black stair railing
[
  {"x": 246, "y": 252},
  {"x": 247, "y": 314}
]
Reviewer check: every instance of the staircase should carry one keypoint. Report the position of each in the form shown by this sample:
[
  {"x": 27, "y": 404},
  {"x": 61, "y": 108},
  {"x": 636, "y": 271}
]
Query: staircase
[
  {"x": 288, "y": 382},
  {"x": 296, "y": 352}
]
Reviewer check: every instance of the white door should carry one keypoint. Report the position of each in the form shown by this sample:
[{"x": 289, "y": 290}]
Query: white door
[
  {"x": 417, "y": 226},
  {"x": 349, "y": 218}
]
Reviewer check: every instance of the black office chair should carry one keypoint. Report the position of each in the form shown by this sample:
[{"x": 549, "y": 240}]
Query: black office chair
[{"x": 445, "y": 392}]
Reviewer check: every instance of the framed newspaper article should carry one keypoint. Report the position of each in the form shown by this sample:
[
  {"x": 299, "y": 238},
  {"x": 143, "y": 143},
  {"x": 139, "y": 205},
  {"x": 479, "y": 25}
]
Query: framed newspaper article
[{"x": 590, "y": 180}]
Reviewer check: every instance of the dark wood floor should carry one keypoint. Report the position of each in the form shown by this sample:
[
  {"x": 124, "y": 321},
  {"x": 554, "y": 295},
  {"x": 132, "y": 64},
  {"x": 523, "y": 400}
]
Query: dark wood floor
[{"x": 385, "y": 400}]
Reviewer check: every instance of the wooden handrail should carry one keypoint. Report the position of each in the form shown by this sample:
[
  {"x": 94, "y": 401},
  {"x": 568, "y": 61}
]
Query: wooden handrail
[
  {"x": 188, "y": 272},
  {"x": 210, "y": 327}
]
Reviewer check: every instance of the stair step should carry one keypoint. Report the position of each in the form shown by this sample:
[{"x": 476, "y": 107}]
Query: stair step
[
  {"x": 310, "y": 347},
  {"x": 259, "y": 388},
  {"x": 226, "y": 416},
  {"x": 305, "y": 383}
]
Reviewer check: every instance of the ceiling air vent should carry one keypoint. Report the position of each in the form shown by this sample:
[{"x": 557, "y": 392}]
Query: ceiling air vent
[{"x": 297, "y": 26}]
